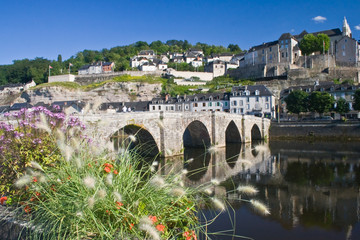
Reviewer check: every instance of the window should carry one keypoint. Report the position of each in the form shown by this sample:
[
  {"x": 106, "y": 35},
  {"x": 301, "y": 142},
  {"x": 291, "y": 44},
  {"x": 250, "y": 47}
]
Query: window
[
  {"x": 234, "y": 103},
  {"x": 195, "y": 104},
  {"x": 218, "y": 104},
  {"x": 270, "y": 49},
  {"x": 186, "y": 107},
  {"x": 153, "y": 107},
  {"x": 159, "y": 107},
  {"x": 204, "y": 104},
  {"x": 286, "y": 54},
  {"x": 241, "y": 103},
  {"x": 270, "y": 57},
  {"x": 257, "y": 99},
  {"x": 282, "y": 54},
  {"x": 247, "y": 99},
  {"x": 179, "y": 108},
  {"x": 266, "y": 99},
  {"x": 263, "y": 51},
  {"x": 226, "y": 103},
  {"x": 266, "y": 106},
  {"x": 247, "y": 106},
  {"x": 172, "y": 108},
  {"x": 241, "y": 110},
  {"x": 166, "y": 108},
  {"x": 257, "y": 92},
  {"x": 286, "y": 41},
  {"x": 210, "y": 104}
]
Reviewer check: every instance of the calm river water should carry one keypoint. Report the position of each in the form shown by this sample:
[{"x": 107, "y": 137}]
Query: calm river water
[{"x": 312, "y": 189}]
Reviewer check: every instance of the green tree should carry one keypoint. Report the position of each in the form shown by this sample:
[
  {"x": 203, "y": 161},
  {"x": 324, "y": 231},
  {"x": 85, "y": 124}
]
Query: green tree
[
  {"x": 342, "y": 106},
  {"x": 356, "y": 101},
  {"x": 320, "y": 102},
  {"x": 323, "y": 43},
  {"x": 234, "y": 48},
  {"x": 308, "y": 44},
  {"x": 296, "y": 101},
  {"x": 59, "y": 58}
]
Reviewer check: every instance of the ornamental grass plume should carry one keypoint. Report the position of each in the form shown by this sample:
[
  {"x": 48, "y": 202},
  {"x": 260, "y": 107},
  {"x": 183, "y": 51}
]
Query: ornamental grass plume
[
  {"x": 215, "y": 181},
  {"x": 101, "y": 193},
  {"x": 178, "y": 191},
  {"x": 212, "y": 149},
  {"x": 248, "y": 190},
  {"x": 218, "y": 204},
  {"x": 37, "y": 166},
  {"x": 157, "y": 181},
  {"x": 150, "y": 230},
  {"x": 260, "y": 207},
  {"x": 91, "y": 202},
  {"x": 109, "y": 179},
  {"x": 132, "y": 138},
  {"x": 23, "y": 181},
  {"x": 89, "y": 182},
  {"x": 117, "y": 197}
]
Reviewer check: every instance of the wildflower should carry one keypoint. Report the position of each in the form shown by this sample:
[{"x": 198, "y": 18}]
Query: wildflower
[
  {"x": 32, "y": 199},
  {"x": 108, "y": 212},
  {"x": 34, "y": 179},
  {"x": 218, "y": 204},
  {"x": 153, "y": 219},
  {"x": 160, "y": 227},
  {"x": 2, "y": 200},
  {"x": 89, "y": 182},
  {"x": 249, "y": 190},
  {"x": 131, "y": 226},
  {"x": 37, "y": 194},
  {"x": 107, "y": 169},
  {"x": 27, "y": 209},
  {"x": 89, "y": 165},
  {"x": 119, "y": 204},
  {"x": 150, "y": 230},
  {"x": 108, "y": 165},
  {"x": 116, "y": 172},
  {"x": 155, "y": 163},
  {"x": 260, "y": 207}
]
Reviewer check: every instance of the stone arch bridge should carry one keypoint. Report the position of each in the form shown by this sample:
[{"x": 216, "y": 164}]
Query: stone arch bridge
[{"x": 168, "y": 133}]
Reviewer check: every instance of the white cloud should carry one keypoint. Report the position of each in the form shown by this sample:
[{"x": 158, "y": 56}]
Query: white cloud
[
  {"x": 357, "y": 27},
  {"x": 319, "y": 19}
]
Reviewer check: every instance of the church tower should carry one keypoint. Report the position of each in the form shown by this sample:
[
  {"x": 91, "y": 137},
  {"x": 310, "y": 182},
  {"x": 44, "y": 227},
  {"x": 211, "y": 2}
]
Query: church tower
[{"x": 346, "y": 31}]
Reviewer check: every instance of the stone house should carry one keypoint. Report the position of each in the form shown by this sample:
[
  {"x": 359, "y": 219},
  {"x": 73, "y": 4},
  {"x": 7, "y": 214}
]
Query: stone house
[
  {"x": 255, "y": 100},
  {"x": 108, "y": 67},
  {"x": 148, "y": 67},
  {"x": 197, "y": 62},
  {"x": 217, "y": 67},
  {"x": 347, "y": 50}
]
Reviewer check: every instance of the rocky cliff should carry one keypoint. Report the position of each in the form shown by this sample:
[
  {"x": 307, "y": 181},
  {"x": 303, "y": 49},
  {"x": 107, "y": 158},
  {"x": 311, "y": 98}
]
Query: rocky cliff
[{"x": 109, "y": 92}]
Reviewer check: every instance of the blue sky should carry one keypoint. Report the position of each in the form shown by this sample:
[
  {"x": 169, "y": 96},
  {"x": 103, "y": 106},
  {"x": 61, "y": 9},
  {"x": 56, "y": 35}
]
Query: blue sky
[{"x": 40, "y": 28}]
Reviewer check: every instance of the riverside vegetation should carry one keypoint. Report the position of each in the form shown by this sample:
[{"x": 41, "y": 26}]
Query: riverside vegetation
[{"x": 67, "y": 186}]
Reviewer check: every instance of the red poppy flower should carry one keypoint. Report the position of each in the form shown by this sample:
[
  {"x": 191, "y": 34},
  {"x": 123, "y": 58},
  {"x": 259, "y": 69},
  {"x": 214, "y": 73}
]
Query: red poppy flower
[
  {"x": 131, "y": 226},
  {"x": 119, "y": 204},
  {"x": 108, "y": 165},
  {"x": 2, "y": 200},
  {"x": 32, "y": 199},
  {"x": 107, "y": 169},
  {"x": 153, "y": 219},
  {"x": 116, "y": 172},
  {"x": 27, "y": 209},
  {"x": 160, "y": 227},
  {"x": 89, "y": 164},
  {"x": 37, "y": 194},
  {"x": 35, "y": 179}
]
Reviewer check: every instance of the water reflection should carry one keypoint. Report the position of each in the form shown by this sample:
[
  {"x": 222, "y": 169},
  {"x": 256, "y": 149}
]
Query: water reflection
[{"x": 311, "y": 189}]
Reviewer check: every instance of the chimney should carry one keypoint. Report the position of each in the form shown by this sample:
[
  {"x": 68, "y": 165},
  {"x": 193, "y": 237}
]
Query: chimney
[{"x": 167, "y": 97}]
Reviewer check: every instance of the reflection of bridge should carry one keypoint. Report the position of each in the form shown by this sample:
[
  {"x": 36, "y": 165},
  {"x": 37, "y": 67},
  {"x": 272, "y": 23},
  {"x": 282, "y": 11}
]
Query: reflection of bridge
[{"x": 168, "y": 133}]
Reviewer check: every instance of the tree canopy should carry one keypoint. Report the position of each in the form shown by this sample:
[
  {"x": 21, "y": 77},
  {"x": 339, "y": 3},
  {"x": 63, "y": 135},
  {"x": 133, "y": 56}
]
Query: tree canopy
[
  {"x": 310, "y": 43},
  {"x": 356, "y": 101},
  {"x": 296, "y": 101},
  {"x": 342, "y": 106},
  {"x": 320, "y": 102}
]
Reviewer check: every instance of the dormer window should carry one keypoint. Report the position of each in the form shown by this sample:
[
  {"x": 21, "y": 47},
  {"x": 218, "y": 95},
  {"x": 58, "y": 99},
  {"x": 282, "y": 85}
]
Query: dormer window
[
  {"x": 321, "y": 89},
  {"x": 210, "y": 98},
  {"x": 195, "y": 99},
  {"x": 257, "y": 92},
  {"x": 332, "y": 89}
]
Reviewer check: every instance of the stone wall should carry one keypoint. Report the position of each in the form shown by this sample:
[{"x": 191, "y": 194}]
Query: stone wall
[
  {"x": 205, "y": 76},
  {"x": 315, "y": 130},
  {"x": 62, "y": 78}
]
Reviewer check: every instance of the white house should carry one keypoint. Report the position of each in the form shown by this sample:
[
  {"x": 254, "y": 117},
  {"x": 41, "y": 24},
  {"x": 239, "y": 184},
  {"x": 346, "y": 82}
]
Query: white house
[
  {"x": 255, "y": 100},
  {"x": 148, "y": 67}
]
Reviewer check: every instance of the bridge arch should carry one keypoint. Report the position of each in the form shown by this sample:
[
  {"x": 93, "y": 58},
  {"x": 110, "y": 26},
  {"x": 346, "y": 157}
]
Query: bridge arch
[
  {"x": 196, "y": 135},
  {"x": 144, "y": 142},
  {"x": 233, "y": 143},
  {"x": 255, "y": 133}
]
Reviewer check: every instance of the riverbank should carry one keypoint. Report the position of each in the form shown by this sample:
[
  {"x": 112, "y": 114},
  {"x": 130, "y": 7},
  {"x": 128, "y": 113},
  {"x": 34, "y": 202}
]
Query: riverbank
[{"x": 328, "y": 131}]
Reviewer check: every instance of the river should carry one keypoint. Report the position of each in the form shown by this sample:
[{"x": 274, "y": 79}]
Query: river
[{"x": 312, "y": 189}]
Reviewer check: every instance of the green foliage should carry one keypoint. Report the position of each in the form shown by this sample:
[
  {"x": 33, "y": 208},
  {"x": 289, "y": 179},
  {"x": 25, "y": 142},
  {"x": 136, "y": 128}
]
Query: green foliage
[
  {"x": 310, "y": 44},
  {"x": 342, "y": 106},
  {"x": 320, "y": 102},
  {"x": 356, "y": 103},
  {"x": 296, "y": 101}
]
